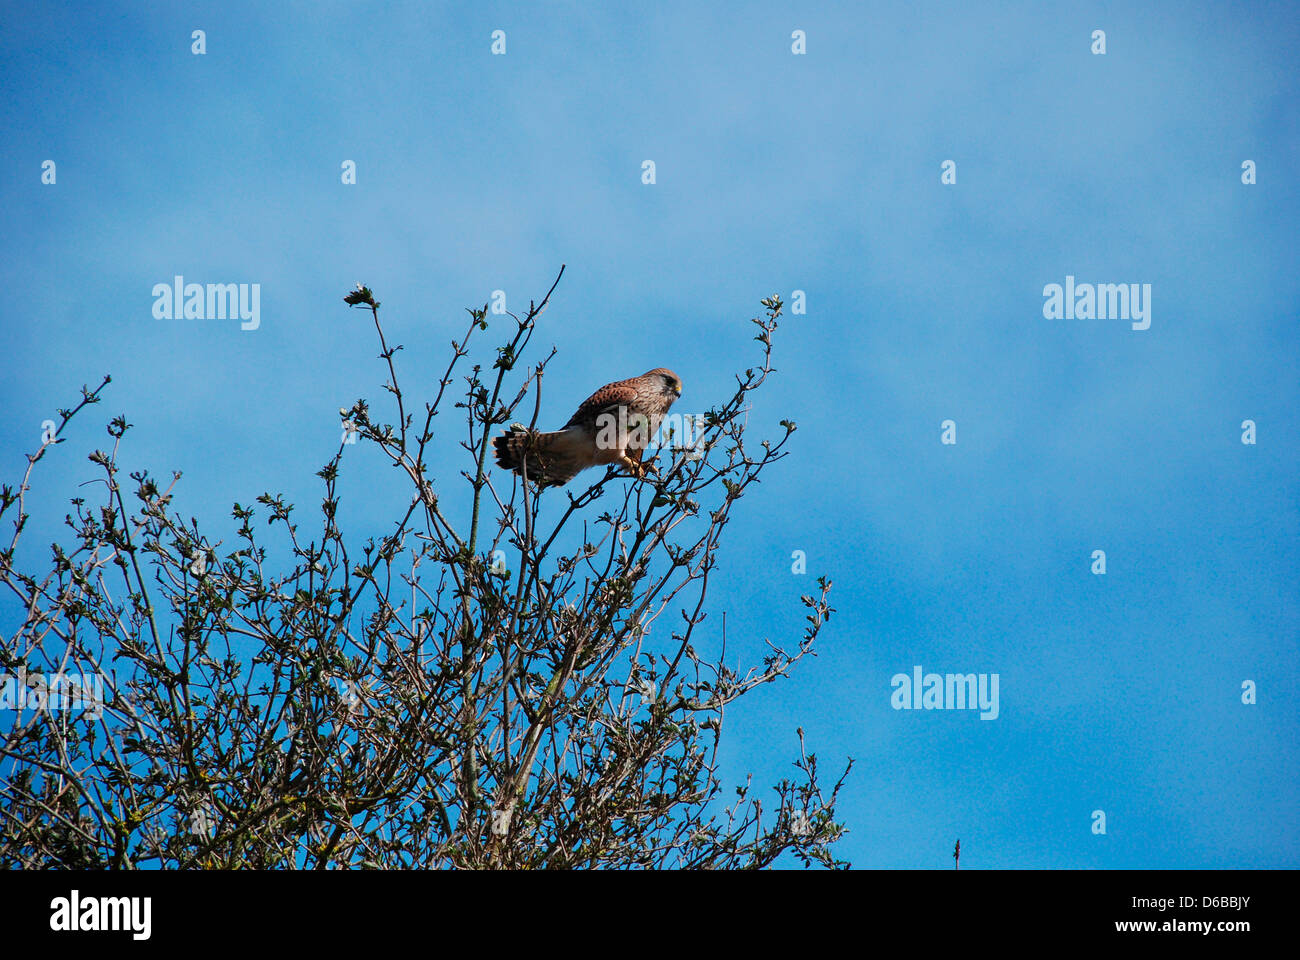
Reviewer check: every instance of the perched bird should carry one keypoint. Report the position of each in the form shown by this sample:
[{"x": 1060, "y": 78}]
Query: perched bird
[{"x": 613, "y": 426}]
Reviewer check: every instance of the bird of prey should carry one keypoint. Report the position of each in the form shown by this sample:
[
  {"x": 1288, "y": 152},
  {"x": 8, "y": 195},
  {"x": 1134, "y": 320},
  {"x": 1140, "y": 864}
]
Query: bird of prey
[{"x": 613, "y": 426}]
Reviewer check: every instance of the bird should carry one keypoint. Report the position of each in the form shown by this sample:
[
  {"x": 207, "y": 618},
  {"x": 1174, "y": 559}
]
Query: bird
[{"x": 612, "y": 426}]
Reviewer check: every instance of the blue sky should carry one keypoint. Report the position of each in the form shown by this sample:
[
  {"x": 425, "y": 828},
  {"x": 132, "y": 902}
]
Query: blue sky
[{"x": 775, "y": 172}]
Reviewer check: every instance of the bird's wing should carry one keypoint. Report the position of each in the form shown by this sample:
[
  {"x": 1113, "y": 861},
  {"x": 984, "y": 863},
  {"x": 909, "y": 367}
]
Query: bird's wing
[{"x": 608, "y": 398}]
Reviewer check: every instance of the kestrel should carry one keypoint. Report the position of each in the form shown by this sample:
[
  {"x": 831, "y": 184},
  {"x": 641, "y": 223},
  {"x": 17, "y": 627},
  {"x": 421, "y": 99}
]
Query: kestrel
[{"x": 613, "y": 425}]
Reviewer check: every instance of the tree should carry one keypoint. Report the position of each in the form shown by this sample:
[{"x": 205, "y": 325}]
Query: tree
[{"x": 478, "y": 693}]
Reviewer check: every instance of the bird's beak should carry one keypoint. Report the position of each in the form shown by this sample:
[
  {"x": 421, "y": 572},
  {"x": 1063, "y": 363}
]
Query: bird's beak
[{"x": 677, "y": 391}]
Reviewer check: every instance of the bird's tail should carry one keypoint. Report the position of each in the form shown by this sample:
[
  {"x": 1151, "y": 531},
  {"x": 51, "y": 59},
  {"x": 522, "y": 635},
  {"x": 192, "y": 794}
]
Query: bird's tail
[{"x": 522, "y": 448}]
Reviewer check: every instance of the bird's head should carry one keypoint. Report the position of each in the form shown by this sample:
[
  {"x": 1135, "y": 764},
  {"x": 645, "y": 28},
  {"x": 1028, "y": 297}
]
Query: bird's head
[{"x": 672, "y": 384}]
